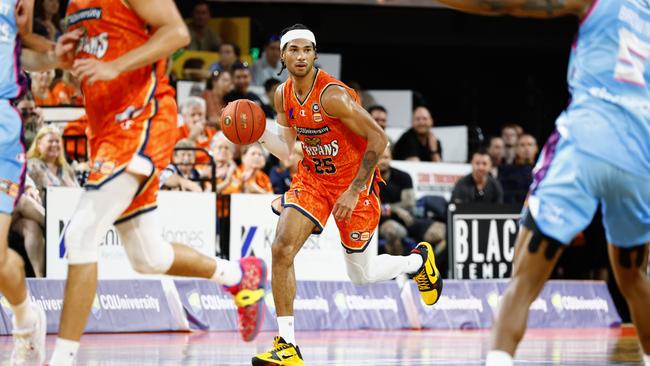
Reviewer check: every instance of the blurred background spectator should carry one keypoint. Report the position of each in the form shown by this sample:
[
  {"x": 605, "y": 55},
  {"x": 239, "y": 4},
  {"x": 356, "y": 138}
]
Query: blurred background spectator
[
  {"x": 242, "y": 81},
  {"x": 496, "y": 150},
  {"x": 41, "y": 83},
  {"x": 510, "y": 133},
  {"x": 379, "y": 114},
  {"x": 229, "y": 54},
  {"x": 478, "y": 186},
  {"x": 195, "y": 128},
  {"x": 282, "y": 173},
  {"x": 516, "y": 178},
  {"x": 28, "y": 221},
  {"x": 46, "y": 164},
  {"x": 67, "y": 90},
  {"x": 181, "y": 174},
  {"x": 269, "y": 90},
  {"x": 47, "y": 19},
  {"x": 218, "y": 85},
  {"x": 203, "y": 38},
  {"x": 419, "y": 143},
  {"x": 269, "y": 65},
  {"x": 249, "y": 176},
  {"x": 32, "y": 117},
  {"x": 193, "y": 69}
]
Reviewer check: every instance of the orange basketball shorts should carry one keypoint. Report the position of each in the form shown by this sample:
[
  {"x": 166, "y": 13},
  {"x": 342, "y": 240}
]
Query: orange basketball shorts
[
  {"x": 141, "y": 145},
  {"x": 316, "y": 201}
]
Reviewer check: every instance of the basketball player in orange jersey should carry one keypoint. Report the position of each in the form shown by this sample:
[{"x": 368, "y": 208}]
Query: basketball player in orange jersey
[
  {"x": 338, "y": 175},
  {"x": 132, "y": 122}
]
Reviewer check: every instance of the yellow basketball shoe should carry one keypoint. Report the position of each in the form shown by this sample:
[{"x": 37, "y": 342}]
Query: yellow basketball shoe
[
  {"x": 427, "y": 277},
  {"x": 283, "y": 353}
]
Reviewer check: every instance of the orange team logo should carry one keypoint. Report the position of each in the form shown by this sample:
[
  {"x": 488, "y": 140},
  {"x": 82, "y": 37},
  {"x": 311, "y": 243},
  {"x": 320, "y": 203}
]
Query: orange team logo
[{"x": 312, "y": 141}]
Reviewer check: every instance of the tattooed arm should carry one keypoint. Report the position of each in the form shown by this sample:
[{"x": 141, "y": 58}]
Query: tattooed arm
[
  {"x": 522, "y": 8},
  {"x": 338, "y": 103}
]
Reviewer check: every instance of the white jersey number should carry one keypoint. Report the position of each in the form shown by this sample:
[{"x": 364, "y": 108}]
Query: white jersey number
[{"x": 633, "y": 53}]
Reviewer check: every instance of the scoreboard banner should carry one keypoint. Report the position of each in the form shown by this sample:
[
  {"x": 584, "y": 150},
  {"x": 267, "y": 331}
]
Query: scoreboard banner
[{"x": 482, "y": 239}]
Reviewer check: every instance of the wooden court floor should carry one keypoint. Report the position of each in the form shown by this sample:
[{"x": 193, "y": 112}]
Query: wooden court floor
[{"x": 593, "y": 347}]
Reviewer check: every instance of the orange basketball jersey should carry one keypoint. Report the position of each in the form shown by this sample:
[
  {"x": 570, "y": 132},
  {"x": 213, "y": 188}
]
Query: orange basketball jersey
[
  {"x": 111, "y": 29},
  {"x": 333, "y": 153}
]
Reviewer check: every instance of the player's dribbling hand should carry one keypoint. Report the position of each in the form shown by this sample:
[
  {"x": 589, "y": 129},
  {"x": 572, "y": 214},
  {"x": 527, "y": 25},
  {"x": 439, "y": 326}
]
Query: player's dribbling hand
[
  {"x": 90, "y": 70},
  {"x": 345, "y": 205},
  {"x": 65, "y": 48}
]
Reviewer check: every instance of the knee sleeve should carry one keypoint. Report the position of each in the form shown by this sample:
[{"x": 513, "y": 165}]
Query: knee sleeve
[
  {"x": 96, "y": 211},
  {"x": 358, "y": 266},
  {"x": 147, "y": 251}
]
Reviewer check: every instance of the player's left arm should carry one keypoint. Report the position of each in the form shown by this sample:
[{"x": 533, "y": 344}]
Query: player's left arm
[
  {"x": 170, "y": 34},
  {"x": 338, "y": 103}
]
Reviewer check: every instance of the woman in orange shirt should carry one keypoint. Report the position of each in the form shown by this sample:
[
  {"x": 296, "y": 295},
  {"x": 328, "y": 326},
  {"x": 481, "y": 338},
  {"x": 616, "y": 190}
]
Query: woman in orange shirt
[
  {"x": 249, "y": 176},
  {"x": 219, "y": 85}
]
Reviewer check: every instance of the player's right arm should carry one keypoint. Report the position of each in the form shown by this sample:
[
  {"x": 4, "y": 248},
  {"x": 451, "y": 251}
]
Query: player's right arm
[
  {"x": 280, "y": 140},
  {"x": 522, "y": 8}
]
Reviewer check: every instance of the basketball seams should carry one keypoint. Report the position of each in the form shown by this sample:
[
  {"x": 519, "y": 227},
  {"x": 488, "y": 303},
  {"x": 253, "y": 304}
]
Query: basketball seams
[
  {"x": 236, "y": 122},
  {"x": 252, "y": 127}
]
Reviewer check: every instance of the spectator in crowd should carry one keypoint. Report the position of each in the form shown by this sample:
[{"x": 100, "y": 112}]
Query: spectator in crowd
[
  {"x": 510, "y": 134},
  {"x": 269, "y": 65},
  {"x": 219, "y": 84},
  {"x": 282, "y": 173},
  {"x": 379, "y": 114},
  {"x": 516, "y": 178},
  {"x": 41, "y": 83},
  {"x": 242, "y": 81},
  {"x": 193, "y": 69},
  {"x": 478, "y": 186},
  {"x": 46, "y": 164},
  {"x": 194, "y": 127},
  {"x": 47, "y": 17},
  {"x": 68, "y": 90},
  {"x": 28, "y": 221},
  {"x": 497, "y": 151},
  {"x": 223, "y": 152},
  {"x": 419, "y": 143},
  {"x": 203, "y": 38},
  {"x": 269, "y": 89},
  {"x": 397, "y": 219},
  {"x": 249, "y": 176},
  {"x": 32, "y": 117},
  {"x": 181, "y": 173},
  {"x": 229, "y": 54}
]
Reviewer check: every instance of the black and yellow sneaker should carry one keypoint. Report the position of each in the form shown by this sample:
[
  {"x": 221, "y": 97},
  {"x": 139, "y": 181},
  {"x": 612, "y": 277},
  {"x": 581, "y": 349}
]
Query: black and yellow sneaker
[
  {"x": 283, "y": 353},
  {"x": 427, "y": 277}
]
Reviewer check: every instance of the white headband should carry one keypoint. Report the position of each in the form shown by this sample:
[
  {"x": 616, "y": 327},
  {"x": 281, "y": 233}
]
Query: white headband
[{"x": 297, "y": 34}]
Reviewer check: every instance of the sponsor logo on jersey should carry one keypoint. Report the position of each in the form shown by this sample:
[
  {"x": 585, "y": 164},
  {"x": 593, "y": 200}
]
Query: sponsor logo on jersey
[
  {"x": 318, "y": 117},
  {"x": 313, "y": 147},
  {"x": 84, "y": 14},
  {"x": 312, "y": 131},
  {"x": 96, "y": 46},
  {"x": 315, "y": 107},
  {"x": 360, "y": 235},
  {"x": 303, "y": 113}
]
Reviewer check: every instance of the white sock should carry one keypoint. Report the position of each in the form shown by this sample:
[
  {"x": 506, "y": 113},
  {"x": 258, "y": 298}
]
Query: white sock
[
  {"x": 24, "y": 314},
  {"x": 498, "y": 358},
  {"x": 65, "y": 352},
  {"x": 646, "y": 359},
  {"x": 414, "y": 262},
  {"x": 228, "y": 273},
  {"x": 285, "y": 324}
]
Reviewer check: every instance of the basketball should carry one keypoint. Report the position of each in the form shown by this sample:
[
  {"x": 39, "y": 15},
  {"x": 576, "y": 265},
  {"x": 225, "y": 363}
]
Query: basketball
[{"x": 243, "y": 122}]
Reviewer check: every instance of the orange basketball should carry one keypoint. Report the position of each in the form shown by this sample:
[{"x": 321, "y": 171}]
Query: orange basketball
[{"x": 243, "y": 122}]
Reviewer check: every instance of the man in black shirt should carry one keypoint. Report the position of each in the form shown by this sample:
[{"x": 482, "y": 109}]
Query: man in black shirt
[
  {"x": 479, "y": 186},
  {"x": 242, "y": 80},
  {"x": 418, "y": 143},
  {"x": 398, "y": 201}
]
